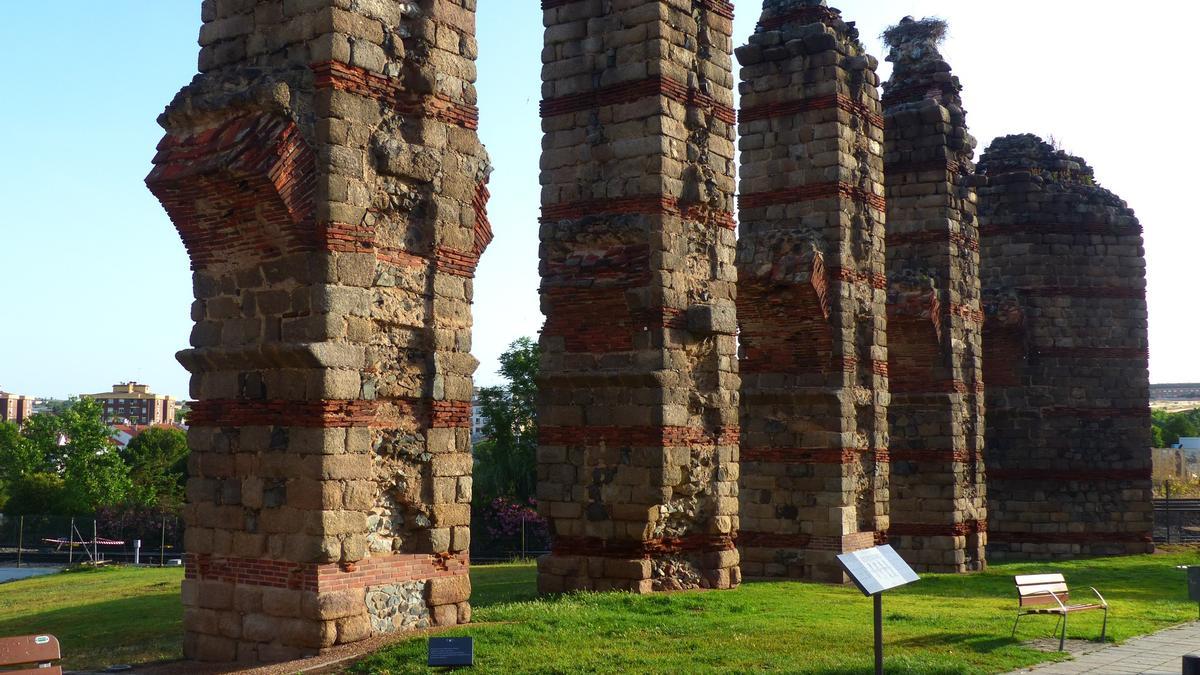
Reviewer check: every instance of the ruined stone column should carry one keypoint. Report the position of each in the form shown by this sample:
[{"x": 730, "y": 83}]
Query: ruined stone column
[
  {"x": 637, "y": 463},
  {"x": 324, "y": 173},
  {"x": 811, "y": 295},
  {"x": 1065, "y": 358},
  {"x": 935, "y": 321}
]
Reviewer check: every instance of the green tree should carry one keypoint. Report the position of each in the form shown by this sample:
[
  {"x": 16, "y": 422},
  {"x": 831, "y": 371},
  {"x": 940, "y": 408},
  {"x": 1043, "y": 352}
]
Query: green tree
[
  {"x": 157, "y": 461},
  {"x": 506, "y": 463},
  {"x": 66, "y": 461}
]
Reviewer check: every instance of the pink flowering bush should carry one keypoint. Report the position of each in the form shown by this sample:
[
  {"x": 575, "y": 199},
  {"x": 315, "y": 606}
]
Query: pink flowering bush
[{"x": 503, "y": 519}]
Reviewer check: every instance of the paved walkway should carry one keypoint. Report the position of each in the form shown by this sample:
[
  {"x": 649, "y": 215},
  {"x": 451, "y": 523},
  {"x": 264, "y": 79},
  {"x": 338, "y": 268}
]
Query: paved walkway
[{"x": 1159, "y": 653}]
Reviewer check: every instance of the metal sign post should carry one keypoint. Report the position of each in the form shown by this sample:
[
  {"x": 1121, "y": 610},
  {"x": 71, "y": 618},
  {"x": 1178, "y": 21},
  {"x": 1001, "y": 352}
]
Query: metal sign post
[{"x": 875, "y": 570}]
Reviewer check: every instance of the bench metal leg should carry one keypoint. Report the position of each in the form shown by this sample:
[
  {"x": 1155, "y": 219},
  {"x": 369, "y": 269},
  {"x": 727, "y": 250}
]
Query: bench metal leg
[
  {"x": 1063, "y": 638},
  {"x": 1018, "y": 620},
  {"x": 1104, "y": 626}
]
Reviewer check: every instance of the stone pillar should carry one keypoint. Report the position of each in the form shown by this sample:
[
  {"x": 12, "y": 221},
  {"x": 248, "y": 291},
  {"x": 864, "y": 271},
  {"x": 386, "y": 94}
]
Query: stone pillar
[
  {"x": 811, "y": 295},
  {"x": 1065, "y": 360},
  {"x": 324, "y": 173},
  {"x": 935, "y": 321},
  {"x": 637, "y": 462}
]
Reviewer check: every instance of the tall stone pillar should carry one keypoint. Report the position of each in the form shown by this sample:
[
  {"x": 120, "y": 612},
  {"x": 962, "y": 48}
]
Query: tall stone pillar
[
  {"x": 324, "y": 173},
  {"x": 1065, "y": 358},
  {"x": 811, "y": 295},
  {"x": 637, "y": 462},
  {"x": 935, "y": 321}
]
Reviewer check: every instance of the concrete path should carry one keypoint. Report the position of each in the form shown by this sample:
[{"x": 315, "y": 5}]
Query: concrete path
[{"x": 1159, "y": 653}]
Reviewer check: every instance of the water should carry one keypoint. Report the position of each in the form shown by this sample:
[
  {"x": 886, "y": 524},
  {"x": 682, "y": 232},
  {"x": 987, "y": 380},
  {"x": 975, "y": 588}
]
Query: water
[{"x": 14, "y": 573}]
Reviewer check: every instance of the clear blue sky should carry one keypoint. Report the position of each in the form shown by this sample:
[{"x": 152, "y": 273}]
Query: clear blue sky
[{"x": 96, "y": 287}]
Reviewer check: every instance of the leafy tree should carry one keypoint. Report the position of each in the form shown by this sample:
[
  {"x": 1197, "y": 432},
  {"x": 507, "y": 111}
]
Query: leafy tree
[
  {"x": 65, "y": 462},
  {"x": 506, "y": 463},
  {"x": 1169, "y": 427},
  {"x": 38, "y": 494},
  {"x": 157, "y": 461}
]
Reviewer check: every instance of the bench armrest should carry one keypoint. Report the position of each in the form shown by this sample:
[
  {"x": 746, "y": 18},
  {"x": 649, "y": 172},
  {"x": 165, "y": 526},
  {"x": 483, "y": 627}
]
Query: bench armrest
[
  {"x": 1102, "y": 600},
  {"x": 1058, "y": 600}
]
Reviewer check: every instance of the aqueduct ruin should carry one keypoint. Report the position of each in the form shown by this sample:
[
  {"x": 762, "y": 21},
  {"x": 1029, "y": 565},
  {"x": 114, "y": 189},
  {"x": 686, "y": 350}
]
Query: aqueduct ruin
[{"x": 324, "y": 172}]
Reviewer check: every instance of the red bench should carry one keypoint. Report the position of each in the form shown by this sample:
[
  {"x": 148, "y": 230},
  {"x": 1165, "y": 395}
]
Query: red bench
[
  {"x": 1048, "y": 594},
  {"x": 35, "y": 654}
]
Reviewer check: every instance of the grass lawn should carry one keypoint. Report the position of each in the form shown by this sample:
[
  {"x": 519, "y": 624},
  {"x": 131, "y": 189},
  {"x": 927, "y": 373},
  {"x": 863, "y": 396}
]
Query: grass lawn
[
  {"x": 102, "y": 617},
  {"x": 941, "y": 624}
]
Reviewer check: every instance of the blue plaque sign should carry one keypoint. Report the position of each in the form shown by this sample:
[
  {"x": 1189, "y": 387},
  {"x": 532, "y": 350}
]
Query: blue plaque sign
[
  {"x": 875, "y": 570},
  {"x": 451, "y": 652}
]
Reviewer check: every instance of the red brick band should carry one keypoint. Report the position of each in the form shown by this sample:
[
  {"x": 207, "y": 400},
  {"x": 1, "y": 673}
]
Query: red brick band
[
  {"x": 767, "y": 111},
  {"x": 1112, "y": 292},
  {"x": 932, "y": 237},
  {"x": 1062, "y": 228},
  {"x": 343, "y": 238},
  {"x": 806, "y": 193},
  {"x": 1089, "y": 537},
  {"x": 946, "y": 165},
  {"x": 877, "y": 281},
  {"x": 450, "y": 415},
  {"x": 850, "y": 542},
  {"x": 629, "y": 92},
  {"x": 937, "y": 529},
  {"x": 323, "y": 577},
  {"x": 1093, "y": 352},
  {"x": 802, "y": 16},
  {"x": 836, "y": 456},
  {"x": 944, "y": 456},
  {"x": 721, "y": 7},
  {"x": 1060, "y": 475},
  {"x": 640, "y": 204},
  {"x": 645, "y": 436},
  {"x": 389, "y": 90},
  {"x": 312, "y": 414},
  {"x": 632, "y": 550},
  {"x": 850, "y": 364},
  {"x": 903, "y": 386}
]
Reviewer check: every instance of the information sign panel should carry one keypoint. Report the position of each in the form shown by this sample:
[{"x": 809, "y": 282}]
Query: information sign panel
[
  {"x": 875, "y": 570},
  {"x": 452, "y": 651}
]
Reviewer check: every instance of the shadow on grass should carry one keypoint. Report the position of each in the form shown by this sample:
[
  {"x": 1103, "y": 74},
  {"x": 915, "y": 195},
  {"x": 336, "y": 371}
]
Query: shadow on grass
[
  {"x": 127, "y": 630},
  {"x": 976, "y": 642}
]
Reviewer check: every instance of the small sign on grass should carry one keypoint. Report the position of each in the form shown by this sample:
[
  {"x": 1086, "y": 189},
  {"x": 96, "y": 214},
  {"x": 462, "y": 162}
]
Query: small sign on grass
[{"x": 451, "y": 652}]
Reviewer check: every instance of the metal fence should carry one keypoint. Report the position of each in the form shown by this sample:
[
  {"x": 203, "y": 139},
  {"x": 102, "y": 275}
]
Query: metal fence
[
  {"x": 1177, "y": 521},
  {"x": 62, "y": 540}
]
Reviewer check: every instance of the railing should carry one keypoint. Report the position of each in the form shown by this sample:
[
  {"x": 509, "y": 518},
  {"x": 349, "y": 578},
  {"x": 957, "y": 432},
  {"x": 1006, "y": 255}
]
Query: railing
[{"x": 1177, "y": 521}]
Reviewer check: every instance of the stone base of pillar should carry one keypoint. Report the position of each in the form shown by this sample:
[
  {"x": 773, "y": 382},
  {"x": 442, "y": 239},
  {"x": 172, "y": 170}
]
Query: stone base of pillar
[
  {"x": 1064, "y": 550},
  {"x": 807, "y": 557},
  {"x": 942, "y": 554},
  {"x": 255, "y": 611},
  {"x": 671, "y": 572}
]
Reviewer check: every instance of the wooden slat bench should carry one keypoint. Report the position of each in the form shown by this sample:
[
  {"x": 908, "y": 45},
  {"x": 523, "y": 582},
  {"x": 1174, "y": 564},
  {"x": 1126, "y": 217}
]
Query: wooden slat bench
[
  {"x": 37, "y": 654},
  {"x": 1048, "y": 594}
]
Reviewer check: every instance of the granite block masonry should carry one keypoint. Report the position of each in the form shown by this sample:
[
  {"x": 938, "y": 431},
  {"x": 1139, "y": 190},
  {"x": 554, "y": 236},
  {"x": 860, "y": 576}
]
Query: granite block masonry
[
  {"x": 1065, "y": 358},
  {"x": 325, "y": 175},
  {"x": 935, "y": 320},
  {"x": 638, "y": 421},
  {"x": 811, "y": 295}
]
